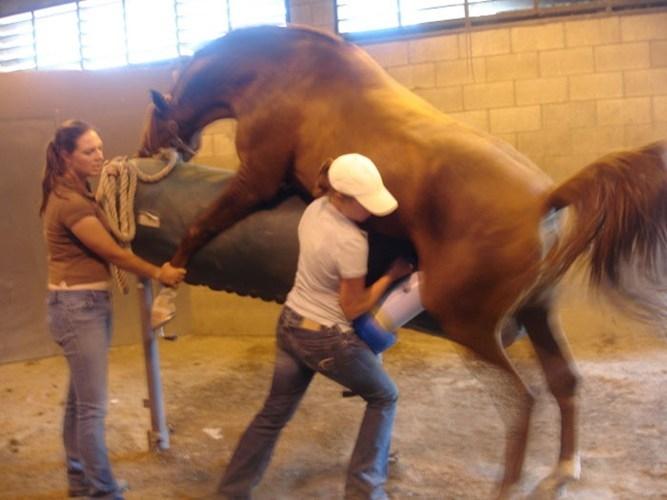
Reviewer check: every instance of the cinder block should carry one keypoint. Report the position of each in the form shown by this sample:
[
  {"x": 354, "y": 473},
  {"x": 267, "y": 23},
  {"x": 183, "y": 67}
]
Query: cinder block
[
  {"x": 538, "y": 37},
  {"x": 206, "y": 146},
  {"x": 323, "y": 14},
  {"x": 569, "y": 115},
  {"x": 640, "y": 135},
  {"x": 488, "y": 95},
  {"x": 559, "y": 168},
  {"x": 434, "y": 48},
  {"x": 645, "y": 82},
  {"x": 592, "y": 32},
  {"x": 597, "y": 86},
  {"x": 658, "y": 53},
  {"x": 512, "y": 66},
  {"x": 460, "y": 71},
  {"x": 417, "y": 76},
  {"x": 562, "y": 167},
  {"x": 598, "y": 140},
  {"x": 635, "y": 110},
  {"x": 644, "y": 27},
  {"x": 541, "y": 90},
  {"x": 660, "y": 109},
  {"x": 509, "y": 138},
  {"x": 490, "y": 42},
  {"x": 227, "y": 127},
  {"x": 622, "y": 56},
  {"x": 301, "y": 14},
  {"x": 223, "y": 145},
  {"x": 465, "y": 44},
  {"x": 423, "y": 75},
  {"x": 402, "y": 74},
  {"x": 516, "y": 119},
  {"x": 388, "y": 54},
  {"x": 478, "y": 119},
  {"x": 567, "y": 61},
  {"x": 554, "y": 141},
  {"x": 446, "y": 99}
]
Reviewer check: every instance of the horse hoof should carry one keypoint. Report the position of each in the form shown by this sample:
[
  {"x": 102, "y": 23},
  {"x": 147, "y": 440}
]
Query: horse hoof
[
  {"x": 507, "y": 493},
  {"x": 552, "y": 485},
  {"x": 164, "y": 308},
  {"x": 571, "y": 468}
]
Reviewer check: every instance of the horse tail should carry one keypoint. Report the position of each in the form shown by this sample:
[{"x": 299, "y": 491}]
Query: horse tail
[{"x": 617, "y": 222}]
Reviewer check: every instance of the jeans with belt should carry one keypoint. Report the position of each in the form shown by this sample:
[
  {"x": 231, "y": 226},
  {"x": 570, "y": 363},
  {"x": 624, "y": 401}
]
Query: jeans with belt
[
  {"x": 344, "y": 358},
  {"x": 80, "y": 322}
]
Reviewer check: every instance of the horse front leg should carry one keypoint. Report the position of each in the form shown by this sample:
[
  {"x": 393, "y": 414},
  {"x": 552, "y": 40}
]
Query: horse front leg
[
  {"x": 239, "y": 197},
  {"x": 554, "y": 356},
  {"x": 235, "y": 202}
]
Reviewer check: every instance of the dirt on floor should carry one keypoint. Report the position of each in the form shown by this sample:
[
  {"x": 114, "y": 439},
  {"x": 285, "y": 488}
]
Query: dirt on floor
[{"x": 448, "y": 434}]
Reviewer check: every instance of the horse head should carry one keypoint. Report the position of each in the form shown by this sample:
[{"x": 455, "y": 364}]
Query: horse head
[{"x": 162, "y": 130}]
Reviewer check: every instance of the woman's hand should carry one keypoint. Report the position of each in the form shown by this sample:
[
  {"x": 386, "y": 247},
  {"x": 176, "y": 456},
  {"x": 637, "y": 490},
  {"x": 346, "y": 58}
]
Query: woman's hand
[
  {"x": 400, "y": 268},
  {"x": 170, "y": 275}
]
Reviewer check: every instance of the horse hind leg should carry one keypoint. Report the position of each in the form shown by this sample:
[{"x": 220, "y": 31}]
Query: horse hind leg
[
  {"x": 511, "y": 396},
  {"x": 562, "y": 379}
]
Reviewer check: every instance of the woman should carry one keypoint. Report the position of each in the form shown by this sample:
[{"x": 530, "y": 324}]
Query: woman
[
  {"x": 314, "y": 332},
  {"x": 80, "y": 247}
]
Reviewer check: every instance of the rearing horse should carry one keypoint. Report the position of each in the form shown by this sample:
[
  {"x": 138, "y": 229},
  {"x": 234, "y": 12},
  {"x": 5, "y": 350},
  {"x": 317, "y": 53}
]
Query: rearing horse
[{"x": 470, "y": 204}]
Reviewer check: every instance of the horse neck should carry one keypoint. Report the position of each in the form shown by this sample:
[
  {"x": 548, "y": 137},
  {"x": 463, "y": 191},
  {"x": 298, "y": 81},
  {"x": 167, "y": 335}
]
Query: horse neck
[
  {"x": 217, "y": 83},
  {"x": 222, "y": 71},
  {"x": 192, "y": 111}
]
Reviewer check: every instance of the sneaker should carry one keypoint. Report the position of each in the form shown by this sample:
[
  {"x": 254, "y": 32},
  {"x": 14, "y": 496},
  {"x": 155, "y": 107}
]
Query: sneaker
[
  {"x": 393, "y": 457},
  {"x": 78, "y": 491},
  {"x": 121, "y": 487}
]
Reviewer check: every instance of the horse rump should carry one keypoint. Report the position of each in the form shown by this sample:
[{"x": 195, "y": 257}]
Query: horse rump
[{"x": 618, "y": 210}]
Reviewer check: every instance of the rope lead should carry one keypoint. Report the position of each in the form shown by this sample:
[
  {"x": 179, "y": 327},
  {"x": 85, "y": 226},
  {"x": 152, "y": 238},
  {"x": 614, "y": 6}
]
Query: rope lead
[{"x": 115, "y": 195}]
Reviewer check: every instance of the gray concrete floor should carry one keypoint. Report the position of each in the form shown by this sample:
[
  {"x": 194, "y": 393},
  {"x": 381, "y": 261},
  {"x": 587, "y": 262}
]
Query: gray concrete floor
[{"x": 448, "y": 434}]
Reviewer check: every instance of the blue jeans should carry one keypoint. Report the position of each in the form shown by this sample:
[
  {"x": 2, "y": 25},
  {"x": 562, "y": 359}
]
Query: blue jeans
[
  {"x": 80, "y": 322},
  {"x": 340, "y": 356}
]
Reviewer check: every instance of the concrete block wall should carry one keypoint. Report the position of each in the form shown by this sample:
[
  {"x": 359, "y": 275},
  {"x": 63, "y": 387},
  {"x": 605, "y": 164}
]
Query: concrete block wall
[{"x": 564, "y": 91}]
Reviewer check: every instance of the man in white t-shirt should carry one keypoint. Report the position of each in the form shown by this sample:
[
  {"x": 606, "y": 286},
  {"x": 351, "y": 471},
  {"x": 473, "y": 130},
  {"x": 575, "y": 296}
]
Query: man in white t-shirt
[{"x": 314, "y": 332}]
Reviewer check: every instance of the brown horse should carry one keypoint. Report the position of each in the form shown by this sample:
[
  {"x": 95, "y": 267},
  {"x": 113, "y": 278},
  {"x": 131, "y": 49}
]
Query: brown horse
[{"x": 471, "y": 205}]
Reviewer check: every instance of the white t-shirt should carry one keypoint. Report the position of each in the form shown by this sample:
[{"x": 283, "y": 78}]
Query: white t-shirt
[{"x": 331, "y": 247}]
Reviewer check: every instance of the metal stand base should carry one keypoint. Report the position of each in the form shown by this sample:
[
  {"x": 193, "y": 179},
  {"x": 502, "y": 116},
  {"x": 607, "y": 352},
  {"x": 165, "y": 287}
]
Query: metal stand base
[{"x": 158, "y": 435}]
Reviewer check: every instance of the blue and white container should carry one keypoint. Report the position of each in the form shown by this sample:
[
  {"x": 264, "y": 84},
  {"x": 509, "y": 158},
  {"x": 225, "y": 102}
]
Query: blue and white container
[{"x": 395, "y": 309}]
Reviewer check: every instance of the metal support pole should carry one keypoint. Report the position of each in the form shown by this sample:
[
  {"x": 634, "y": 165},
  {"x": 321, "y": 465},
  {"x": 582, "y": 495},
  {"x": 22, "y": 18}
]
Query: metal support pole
[{"x": 158, "y": 435}]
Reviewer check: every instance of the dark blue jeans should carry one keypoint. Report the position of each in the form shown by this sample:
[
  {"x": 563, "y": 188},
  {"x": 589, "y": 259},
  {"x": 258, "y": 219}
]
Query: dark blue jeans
[
  {"x": 340, "y": 356},
  {"x": 80, "y": 322}
]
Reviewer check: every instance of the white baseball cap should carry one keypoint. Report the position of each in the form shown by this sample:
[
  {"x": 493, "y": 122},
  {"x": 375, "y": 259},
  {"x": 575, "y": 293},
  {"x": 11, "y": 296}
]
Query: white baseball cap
[{"x": 357, "y": 176}]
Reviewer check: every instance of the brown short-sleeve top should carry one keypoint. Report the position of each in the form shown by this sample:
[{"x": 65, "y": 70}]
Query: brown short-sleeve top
[{"x": 70, "y": 262}]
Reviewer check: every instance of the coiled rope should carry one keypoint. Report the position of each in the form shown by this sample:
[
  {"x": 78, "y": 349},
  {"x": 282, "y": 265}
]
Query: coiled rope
[{"x": 115, "y": 195}]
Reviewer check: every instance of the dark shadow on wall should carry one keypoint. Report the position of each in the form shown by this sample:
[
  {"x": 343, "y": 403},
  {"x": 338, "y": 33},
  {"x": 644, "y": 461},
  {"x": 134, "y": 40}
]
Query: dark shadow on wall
[{"x": 33, "y": 104}]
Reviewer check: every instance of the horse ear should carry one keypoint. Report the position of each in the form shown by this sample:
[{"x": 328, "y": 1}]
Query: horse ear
[{"x": 161, "y": 103}]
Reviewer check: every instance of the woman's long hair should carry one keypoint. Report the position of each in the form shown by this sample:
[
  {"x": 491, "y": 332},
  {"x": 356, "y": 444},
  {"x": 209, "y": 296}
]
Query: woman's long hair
[{"x": 64, "y": 141}]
